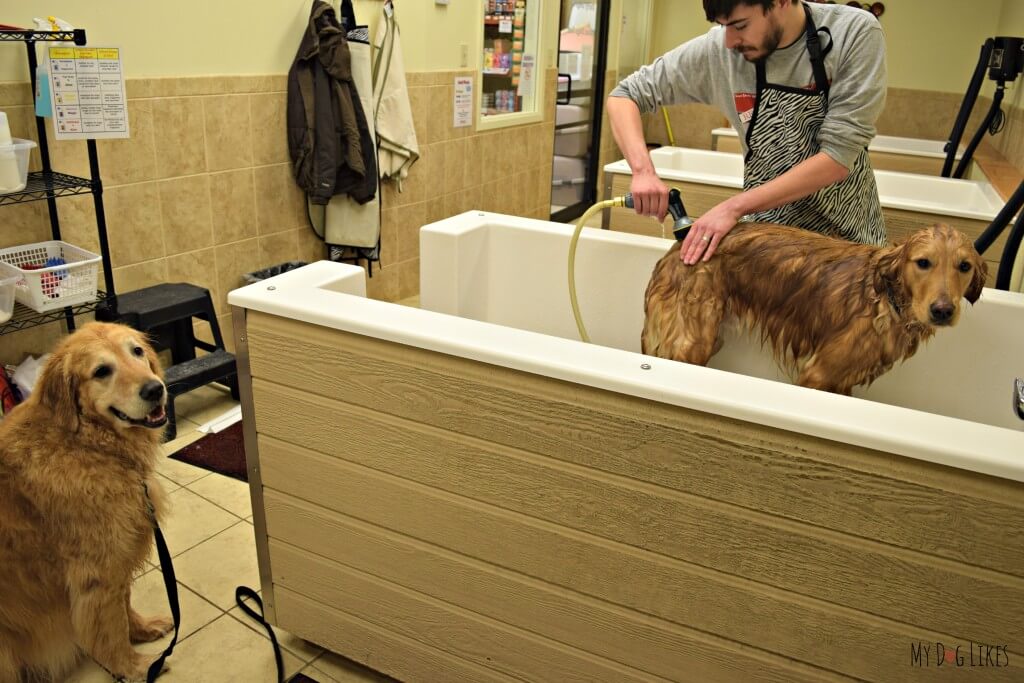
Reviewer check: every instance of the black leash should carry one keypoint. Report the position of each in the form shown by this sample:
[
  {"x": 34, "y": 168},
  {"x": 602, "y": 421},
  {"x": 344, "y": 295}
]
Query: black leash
[
  {"x": 170, "y": 583},
  {"x": 242, "y": 592}
]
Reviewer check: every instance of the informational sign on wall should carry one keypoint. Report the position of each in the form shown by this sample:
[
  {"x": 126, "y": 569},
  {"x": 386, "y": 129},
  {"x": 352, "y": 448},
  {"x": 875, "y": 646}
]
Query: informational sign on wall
[
  {"x": 463, "y": 102},
  {"x": 87, "y": 93},
  {"x": 526, "y": 77}
]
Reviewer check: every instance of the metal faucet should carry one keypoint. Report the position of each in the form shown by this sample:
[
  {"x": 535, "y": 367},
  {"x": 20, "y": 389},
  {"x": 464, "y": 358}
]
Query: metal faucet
[{"x": 681, "y": 221}]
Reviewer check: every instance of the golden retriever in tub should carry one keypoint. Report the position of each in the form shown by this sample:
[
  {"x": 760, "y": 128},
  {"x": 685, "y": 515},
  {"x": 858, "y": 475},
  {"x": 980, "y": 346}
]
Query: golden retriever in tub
[
  {"x": 836, "y": 313},
  {"x": 74, "y": 522}
]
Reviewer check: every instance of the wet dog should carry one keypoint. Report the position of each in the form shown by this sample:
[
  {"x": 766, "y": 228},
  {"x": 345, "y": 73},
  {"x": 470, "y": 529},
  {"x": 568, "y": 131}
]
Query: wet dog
[{"x": 836, "y": 313}]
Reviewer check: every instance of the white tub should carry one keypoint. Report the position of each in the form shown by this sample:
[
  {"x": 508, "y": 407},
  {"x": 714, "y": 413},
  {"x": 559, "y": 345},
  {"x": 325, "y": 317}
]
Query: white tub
[
  {"x": 908, "y": 200},
  {"x": 466, "y": 492},
  {"x": 888, "y": 152},
  {"x": 892, "y": 144}
]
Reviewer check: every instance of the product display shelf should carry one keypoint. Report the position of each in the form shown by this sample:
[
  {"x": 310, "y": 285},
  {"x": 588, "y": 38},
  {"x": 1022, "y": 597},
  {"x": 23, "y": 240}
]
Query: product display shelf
[
  {"x": 49, "y": 185},
  {"x": 502, "y": 78}
]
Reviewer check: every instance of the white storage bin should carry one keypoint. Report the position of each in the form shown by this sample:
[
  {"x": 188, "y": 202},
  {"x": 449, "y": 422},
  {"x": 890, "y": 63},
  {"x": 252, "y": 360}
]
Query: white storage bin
[
  {"x": 14, "y": 165},
  {"x": 51, "y": 287},
  {"x": 568, "y": 177},
  {"x": 567, "y": 168},
  {"x": 570, "y": 113},
  {"x": 8, "y": 279},
  {"x": 567, "y": 192},
  {"x": 572, "y": 142}
]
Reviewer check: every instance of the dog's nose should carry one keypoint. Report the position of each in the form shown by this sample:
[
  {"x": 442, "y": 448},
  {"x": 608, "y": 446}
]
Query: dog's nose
[
  {"x": 152, "y": 390},
  {"x": 941, "y": 312}
]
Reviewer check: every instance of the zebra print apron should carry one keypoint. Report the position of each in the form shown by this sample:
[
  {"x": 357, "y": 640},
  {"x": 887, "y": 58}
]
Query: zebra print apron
[{"x": 784, "y": 132}]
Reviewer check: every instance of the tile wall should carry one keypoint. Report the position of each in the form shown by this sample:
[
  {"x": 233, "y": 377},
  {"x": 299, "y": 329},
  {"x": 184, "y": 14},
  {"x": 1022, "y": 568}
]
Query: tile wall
[
  {"x": 1010, "y": 142},
  {"x": 202, "y": 192}
]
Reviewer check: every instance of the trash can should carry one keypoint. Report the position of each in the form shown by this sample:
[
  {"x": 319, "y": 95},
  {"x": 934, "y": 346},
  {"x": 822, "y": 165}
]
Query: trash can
[{"x": 251, "y": 278}]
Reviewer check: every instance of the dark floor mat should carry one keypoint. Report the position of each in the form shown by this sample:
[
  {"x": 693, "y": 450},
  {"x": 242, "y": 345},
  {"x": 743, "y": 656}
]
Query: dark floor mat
[{"x": 222, "y": 452}]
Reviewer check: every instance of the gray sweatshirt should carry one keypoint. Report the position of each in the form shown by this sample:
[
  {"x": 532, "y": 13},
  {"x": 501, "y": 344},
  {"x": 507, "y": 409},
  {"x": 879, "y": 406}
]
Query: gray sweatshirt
[{"x": 704, "y": 70}]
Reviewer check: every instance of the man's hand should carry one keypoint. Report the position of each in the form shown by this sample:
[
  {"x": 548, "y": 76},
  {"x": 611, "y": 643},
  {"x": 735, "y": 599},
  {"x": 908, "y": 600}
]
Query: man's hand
[
  {"x": 707, "y": 231},
  {"x": 650, "y": 195}
]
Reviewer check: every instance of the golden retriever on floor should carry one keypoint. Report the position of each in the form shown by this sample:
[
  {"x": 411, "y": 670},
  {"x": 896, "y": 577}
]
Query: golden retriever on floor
[
  {"x": 74, "y": 524},
  {"x": 837, "y": 313}
]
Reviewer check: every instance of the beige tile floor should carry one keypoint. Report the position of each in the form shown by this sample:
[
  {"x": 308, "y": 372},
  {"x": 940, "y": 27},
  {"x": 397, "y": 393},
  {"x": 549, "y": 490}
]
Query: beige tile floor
[{"x": 210, "y": 536}]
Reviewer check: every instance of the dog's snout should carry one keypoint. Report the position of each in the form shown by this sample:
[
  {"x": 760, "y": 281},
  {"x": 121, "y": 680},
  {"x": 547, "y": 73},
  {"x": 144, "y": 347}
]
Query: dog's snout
[
  {"x": 152, "y": 390},
  {"x": 941, "y": 311}
]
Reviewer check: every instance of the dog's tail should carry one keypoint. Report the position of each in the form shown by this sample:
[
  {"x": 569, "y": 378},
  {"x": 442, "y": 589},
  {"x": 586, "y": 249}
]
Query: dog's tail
[{"x": 683, "y": 310}]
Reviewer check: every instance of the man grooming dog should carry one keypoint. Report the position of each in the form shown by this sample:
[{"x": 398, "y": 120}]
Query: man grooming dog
[
  {"x": 837, "y": 313},
  {"x": 803, "y": 85},
  {"x": 75, "y": 525}
]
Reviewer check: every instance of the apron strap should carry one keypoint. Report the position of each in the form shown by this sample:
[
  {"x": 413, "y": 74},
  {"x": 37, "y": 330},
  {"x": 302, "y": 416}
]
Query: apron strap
[{"x": 815, "y": 52}]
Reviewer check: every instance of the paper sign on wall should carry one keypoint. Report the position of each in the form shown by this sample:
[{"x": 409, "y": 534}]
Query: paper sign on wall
[
  {"x": 526, "y": 76},
  {"x": 87, "y": 93},
  {"x": 463, "y": 101}
]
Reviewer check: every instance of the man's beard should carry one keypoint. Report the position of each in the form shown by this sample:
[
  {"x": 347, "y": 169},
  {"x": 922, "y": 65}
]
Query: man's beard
[{"x": 771, "y": 44}]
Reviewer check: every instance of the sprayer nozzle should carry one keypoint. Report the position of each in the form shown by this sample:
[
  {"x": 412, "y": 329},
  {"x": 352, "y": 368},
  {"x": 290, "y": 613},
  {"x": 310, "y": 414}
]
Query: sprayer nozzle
[{"x": 627, "y": 200}]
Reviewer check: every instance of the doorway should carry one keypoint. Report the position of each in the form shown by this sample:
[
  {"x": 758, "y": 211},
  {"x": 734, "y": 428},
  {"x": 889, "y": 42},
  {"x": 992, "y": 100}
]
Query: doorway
[{"x": 582, "y": 64}]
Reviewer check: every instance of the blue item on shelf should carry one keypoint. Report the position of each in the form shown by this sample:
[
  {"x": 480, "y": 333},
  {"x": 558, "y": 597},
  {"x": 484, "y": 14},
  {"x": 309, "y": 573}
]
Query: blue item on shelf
[{"x": 56, "y": 261}]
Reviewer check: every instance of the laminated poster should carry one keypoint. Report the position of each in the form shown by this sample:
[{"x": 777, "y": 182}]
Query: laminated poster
[
  {"x": 527, "y": 76},
  {"x": 463, "y": 105},
  {"x": 87, "y": 93}
]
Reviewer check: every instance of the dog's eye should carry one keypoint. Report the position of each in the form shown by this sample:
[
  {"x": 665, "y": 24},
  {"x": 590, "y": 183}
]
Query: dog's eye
[
  {"x": 138, "y": 351},
  {"x": 101, "y": 372},
  {"x": 965, "y": 267},
  {"x": 924, "y": 264}
]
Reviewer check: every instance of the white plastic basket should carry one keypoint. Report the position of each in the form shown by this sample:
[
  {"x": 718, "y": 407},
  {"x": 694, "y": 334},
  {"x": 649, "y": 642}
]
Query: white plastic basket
[
  {"x": 51, "y": 287},
  {"x": 8, "y": 279}
]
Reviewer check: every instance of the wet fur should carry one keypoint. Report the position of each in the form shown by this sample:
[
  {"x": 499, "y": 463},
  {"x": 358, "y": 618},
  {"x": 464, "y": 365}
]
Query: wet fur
[
  {"x": 826, "y": 306},
  {"x": 74, "y": 527}
]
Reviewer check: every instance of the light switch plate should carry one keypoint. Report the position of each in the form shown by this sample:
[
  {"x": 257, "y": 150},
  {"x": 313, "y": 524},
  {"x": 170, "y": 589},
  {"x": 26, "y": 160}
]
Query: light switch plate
[{"x": 440, "y": 2}]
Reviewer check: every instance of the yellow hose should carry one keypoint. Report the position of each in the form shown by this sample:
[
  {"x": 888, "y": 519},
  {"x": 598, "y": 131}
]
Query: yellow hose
[
  {"x": 668, "y": 127},
  {"x": 600, "y": 206}
]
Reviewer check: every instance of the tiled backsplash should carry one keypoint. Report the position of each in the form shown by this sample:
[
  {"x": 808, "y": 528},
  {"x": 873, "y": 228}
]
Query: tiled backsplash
[
  {"x": 203, "y": 192},
  {"x": 506, "y": 171},
  {"x": 1010, "y": 142}
]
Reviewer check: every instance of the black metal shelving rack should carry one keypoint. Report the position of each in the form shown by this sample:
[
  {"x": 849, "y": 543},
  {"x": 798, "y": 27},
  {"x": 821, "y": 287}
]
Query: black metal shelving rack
[{"x": 49, "y": 185}]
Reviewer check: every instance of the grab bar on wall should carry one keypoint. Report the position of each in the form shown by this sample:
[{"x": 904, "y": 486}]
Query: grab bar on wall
[{"x": 568, "y": 94}]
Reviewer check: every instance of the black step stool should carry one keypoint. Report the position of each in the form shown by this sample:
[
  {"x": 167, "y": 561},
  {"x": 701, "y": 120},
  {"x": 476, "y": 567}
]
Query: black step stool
[{"x": 165, "y": 313}]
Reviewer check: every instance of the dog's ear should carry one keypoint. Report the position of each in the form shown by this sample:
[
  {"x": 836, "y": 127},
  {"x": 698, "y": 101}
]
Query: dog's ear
[
  {"x": 888, "y": 265},
  {"x": 58, "y": 390},
  {"x": 978, "y": 277}
]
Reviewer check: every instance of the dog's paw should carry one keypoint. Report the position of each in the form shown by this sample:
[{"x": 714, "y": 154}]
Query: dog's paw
[
  {"x": 139, "y": 669},
  {"x": 148, "y": 630}
]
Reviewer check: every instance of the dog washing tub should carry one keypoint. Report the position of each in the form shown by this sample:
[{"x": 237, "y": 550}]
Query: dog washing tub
[
  {"x": 909, "y": 201},
  {"x": 464, "y": 492},
  {"x": 887, "y": 152}
]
